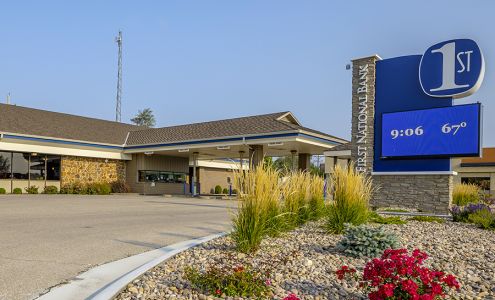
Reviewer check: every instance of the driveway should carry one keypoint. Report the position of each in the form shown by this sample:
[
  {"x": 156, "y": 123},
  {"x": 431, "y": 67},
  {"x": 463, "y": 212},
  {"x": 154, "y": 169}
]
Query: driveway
[{"x": 47, "y": 239}]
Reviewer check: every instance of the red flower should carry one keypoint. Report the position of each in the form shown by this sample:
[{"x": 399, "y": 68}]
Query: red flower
[
  {"x": 292, "y": 297},
  {"x": 399, "y": 275},
  {"x": 218, "y": 292},
  {"x": 239, "y": 269}
]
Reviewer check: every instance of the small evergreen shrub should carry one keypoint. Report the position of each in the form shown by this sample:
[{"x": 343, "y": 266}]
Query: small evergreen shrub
[
  {"x": 17, "y": 191},
  {"x": 225, "y": 191},
  {"x": 32, "y": 189},
  {"x": 50, "y": 189},
  {"x": 427, "y": 219},
  {"x": 120, "y": 187},
  {"x": 464, "y": 194},
  {"x": 239, "y": 282},
  {"x": 218, "y": 189},
  {"x": 359, "y": 241},
  {"x": 379, "y": 219},
  {"x": 483, "y": 218},
  {"x": 98, "y": 188},
  {"x": 3, "y": 191}
]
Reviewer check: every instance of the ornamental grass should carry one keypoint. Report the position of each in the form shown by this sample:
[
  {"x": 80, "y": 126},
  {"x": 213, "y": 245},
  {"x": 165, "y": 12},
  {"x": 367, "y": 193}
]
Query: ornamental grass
[
  {"x": 352, "y": 192},
  {"x": 270, "y": 204},
  {"x": 466, "y": 193},
  {"x": 258, "y": 211}
]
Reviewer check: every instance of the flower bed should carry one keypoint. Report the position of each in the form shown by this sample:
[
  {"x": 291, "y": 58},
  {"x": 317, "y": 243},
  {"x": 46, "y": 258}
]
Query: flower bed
[{"x": 304, "y": 262}]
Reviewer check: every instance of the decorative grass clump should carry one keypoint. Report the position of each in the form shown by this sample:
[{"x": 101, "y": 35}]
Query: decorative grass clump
[
  {"x": 351, "y": 194},
  {"x": 427, "y": 219},
  {"x": 466, "y": 193},
  {"x": 258, "y": 211},
  {"x": 270, "y": 205},
  {"x": 32, "y": 189},
  {"x": 368, "y": 241}
]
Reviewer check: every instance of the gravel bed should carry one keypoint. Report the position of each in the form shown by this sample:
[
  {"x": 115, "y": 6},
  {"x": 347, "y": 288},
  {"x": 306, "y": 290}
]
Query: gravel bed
[{"x": 303, "y": 262}]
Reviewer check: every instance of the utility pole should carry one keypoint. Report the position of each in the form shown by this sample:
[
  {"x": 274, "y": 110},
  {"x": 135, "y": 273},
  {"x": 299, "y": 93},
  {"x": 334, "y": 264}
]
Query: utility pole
[{"x": 118, "y": 114}]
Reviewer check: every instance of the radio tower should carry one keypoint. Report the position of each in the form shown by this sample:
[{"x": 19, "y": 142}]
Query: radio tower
[{"x": 118, "y": 40}]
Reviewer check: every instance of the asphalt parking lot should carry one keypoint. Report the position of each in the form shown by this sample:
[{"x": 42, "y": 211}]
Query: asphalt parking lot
[{"x": 47, "y": 239}]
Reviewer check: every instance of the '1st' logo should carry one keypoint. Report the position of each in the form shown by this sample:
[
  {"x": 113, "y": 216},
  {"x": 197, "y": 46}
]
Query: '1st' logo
[{"x": 452, "y": 69}]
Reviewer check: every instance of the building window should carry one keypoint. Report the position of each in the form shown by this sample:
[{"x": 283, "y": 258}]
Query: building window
[
  {"x": 52, "y": 167},
  {"x": 37, "y": 167},
  {"x": 20, "y": 165},
  {"x": 5, "y": 165},
  {"x": 162, "y": 176},
  {"x": 482, "y": 182}
]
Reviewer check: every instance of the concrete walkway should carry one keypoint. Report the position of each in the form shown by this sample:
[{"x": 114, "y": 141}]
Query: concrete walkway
[{"x": 48, "y": 239}]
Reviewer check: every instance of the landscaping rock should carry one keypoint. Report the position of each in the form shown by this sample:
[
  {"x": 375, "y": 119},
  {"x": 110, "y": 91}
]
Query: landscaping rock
[{"x": 304, "y": 262}]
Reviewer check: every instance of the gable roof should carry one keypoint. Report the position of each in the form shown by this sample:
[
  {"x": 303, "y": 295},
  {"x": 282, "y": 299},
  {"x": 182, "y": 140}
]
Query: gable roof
[
  {"x": 243, "y": 126},
  {"x": 41, "y": 123},
  {"x": 36, "y": 122}
]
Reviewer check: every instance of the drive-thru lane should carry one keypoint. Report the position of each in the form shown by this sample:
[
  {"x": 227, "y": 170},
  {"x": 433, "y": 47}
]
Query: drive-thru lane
[{"x": 47, "y": 239}]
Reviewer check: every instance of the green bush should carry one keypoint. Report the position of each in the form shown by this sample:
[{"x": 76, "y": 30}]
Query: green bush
[
  {"x": 3, "y": 191},
  {"x": 32, "y": 190},
  {"x": 218, "y": 189},
  {"x": 427, "y": 219},
  {"x": 464, "y": 194},
  {"x": 17, "y": 191},
  {"x": 225, "y": 191},
  {"x": 483, "y": 218},
  {"x": 120, "y": 187},
  {"x": 379, "y": 219},
  {"x": 239, "y": 282},
  {"x": 98, "y": 188},
  {"x": 364, "y": 240},
  {"x": 351, "y": 194},
  {"x": 235, "y": 192},
  {"x": 50, "y": 189}
]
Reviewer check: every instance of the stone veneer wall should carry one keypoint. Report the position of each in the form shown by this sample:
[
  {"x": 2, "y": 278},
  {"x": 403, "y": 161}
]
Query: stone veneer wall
[
  {"x": 88, "y": 170},
  {"x": 427, "y": 193}
]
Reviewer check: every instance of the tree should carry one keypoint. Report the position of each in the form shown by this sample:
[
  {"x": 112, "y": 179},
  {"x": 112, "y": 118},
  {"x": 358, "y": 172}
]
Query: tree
[{"x": 145, "y": 118}]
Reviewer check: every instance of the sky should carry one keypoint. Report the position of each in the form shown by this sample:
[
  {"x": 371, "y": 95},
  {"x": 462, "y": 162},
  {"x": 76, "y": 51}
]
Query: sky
[{"x": 194, "y": 61}]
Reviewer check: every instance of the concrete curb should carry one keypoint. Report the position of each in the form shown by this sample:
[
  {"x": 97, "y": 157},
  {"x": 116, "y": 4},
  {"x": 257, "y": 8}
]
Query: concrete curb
[{"x": 105, "y": 281}]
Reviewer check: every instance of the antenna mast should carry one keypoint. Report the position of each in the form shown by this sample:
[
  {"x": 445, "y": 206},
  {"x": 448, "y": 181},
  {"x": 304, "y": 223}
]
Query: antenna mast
[{"x": 118, "y": 40}]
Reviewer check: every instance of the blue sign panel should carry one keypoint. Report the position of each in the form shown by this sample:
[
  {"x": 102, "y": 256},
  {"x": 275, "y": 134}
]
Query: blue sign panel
[
  {"x": 398, "y": 89},
  {"x": 453, "y": 68},
  {"x": 448, "y": 131}
]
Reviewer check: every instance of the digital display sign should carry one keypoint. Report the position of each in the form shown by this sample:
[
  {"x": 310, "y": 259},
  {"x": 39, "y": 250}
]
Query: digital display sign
[{"x": 446, "y": 131}]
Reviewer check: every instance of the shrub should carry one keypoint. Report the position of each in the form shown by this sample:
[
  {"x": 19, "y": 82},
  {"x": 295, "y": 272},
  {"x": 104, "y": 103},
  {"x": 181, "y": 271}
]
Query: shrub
[
  {"x": 120, "y": 187},
  {"x": 235, "y": 192},
  {"x": 359, "y": 241},
  {"x": 218, "y": 189},
  {"x": 398, "y": 275},
  {"x": 464, "y": 194},
  {"x": 258, "y": 210},
  {"x": 17, "y": 191},
  {"x": 99, "y": 188},
  {"x": 225, "y": 191},
  {"x": 50, "y": 189},
  {"x": 461, "y": 214},
  {"x": 78, "y": 188},
  {"x": 239, "y": 282},
  {"x": 483, "y": 218},
  {"x": 351, "y": 194},
  {"x": 379, "y": 219},
  {"x": 427, "y": 219},
  {"x": 32, "y": 189},
  {"x": 3, "y": 191}
]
